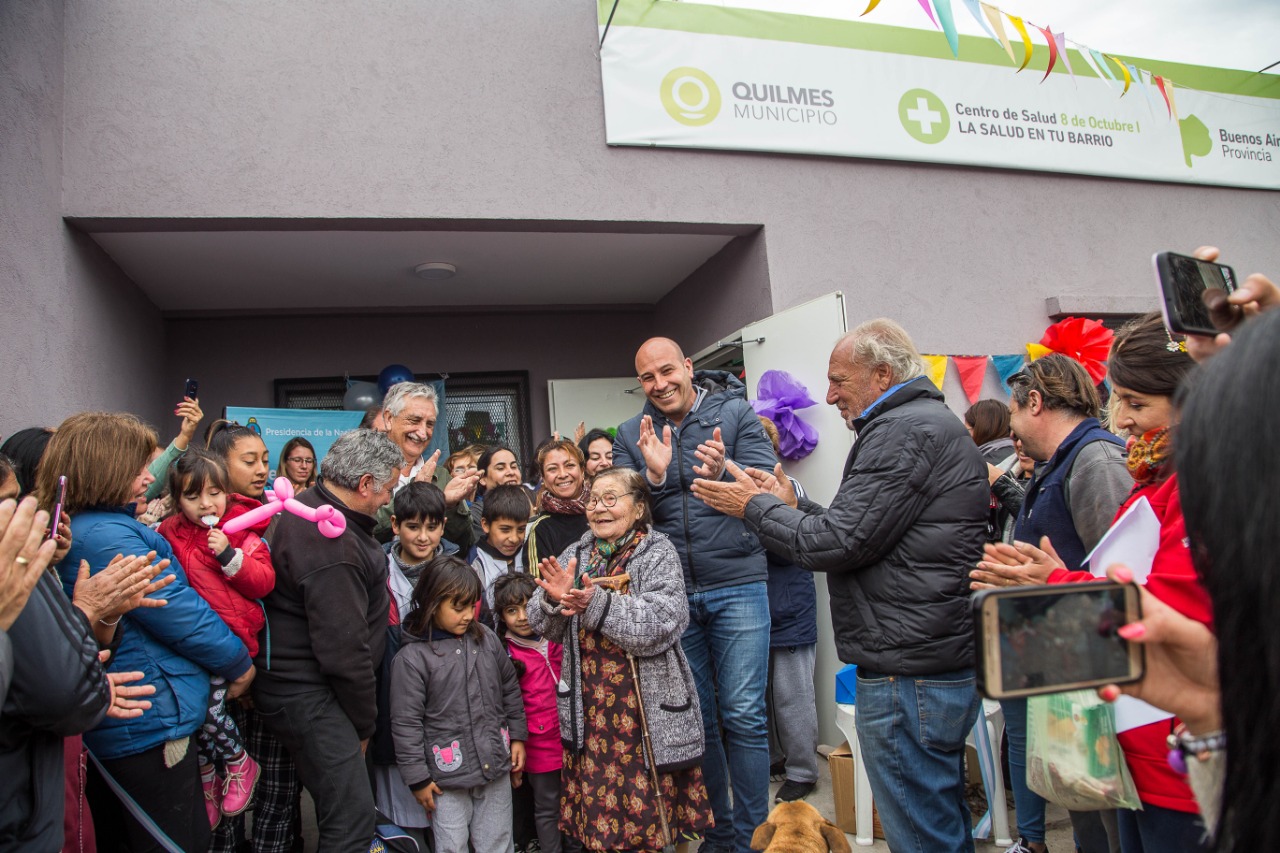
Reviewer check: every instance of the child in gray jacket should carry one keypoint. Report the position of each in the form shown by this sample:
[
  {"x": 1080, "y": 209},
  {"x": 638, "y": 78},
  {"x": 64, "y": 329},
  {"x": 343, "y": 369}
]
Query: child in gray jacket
[{"x": 457, "y": 715}]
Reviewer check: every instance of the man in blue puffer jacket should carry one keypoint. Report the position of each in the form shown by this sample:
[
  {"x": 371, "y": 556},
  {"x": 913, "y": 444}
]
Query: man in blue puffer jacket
[{"x": 689, "y": 426}]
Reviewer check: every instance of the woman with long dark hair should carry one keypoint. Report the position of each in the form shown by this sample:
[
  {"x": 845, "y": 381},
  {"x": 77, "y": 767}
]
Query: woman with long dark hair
[
  {"x": 1146, "y": 366},
  {"x": 1226, "y": 690}
]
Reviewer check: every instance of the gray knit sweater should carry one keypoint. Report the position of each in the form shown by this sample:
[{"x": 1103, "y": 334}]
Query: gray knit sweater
[{"x": 647, "y": 622}]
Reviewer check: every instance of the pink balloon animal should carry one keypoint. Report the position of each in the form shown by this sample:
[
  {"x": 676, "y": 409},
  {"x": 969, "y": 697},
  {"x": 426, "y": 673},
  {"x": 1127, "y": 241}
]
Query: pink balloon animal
[{"x": 331, "y": 522}]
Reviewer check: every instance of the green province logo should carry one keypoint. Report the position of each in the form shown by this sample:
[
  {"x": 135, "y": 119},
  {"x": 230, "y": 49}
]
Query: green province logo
[
  {"x": 924, "y": 116},
  {"x": 690, "y": 96}
]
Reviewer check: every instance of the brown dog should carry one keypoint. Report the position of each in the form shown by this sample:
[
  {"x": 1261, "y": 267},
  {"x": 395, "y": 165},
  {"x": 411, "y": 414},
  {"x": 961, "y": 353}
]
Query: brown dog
[{"x": 798, "y": 828}]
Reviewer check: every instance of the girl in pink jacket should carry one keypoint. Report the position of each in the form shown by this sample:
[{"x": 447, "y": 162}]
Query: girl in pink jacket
[{"x": 537, "y": 662}]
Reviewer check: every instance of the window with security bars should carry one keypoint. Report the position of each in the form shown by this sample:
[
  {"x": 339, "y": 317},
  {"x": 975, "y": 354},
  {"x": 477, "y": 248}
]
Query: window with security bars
[
  {"x": 480, "y": 408},
  {"x": 488, "y": 408}
]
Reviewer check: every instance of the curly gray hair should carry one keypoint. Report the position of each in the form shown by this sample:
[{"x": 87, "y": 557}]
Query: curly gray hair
[
  {"x": 357, "y": 453},
  {"x": 402, "y": 392},
  {"x": 883, "y": 341}
]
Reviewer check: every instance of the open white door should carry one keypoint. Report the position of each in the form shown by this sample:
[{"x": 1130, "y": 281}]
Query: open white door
[
  {"x": 799, "y": 341},
  {"x": 602, "y": 403}
]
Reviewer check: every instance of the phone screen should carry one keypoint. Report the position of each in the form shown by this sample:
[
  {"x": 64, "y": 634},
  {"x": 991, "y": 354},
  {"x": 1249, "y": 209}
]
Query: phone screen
[
  {"x": 1188, "y": 278},
  {"x": 1066, "y": 638},
  {"x": 192, "y": 389}
]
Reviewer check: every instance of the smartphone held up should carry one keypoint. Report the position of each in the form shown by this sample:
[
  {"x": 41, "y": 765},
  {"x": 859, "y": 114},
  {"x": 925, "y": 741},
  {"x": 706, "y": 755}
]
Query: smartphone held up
[
  {"x": 1034, "y": 640},
  {"x": 1183, "y": 281}
]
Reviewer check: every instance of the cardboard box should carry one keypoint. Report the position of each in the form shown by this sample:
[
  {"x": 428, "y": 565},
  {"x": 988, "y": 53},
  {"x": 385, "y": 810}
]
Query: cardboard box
[{"x": 842, "y": 791}]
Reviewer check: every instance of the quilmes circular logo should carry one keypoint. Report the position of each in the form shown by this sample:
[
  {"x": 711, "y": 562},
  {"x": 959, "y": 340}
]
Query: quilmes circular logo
[
  {"x": 924, "y": 116},
  {"x": 690, "y": 96}
]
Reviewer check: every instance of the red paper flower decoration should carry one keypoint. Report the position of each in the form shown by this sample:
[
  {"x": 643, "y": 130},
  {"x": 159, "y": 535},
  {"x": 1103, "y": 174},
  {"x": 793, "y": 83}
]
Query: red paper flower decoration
[{"x": 1087, "y": 341}]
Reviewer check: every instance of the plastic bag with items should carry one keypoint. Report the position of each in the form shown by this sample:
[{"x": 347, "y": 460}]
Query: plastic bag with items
[{"x": 1073, "y": 756}]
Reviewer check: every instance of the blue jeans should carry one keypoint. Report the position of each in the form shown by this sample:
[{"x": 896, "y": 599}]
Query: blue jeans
[
  {"x": 727, "y": 644},
  {"x": 912, "y": 732},
  {"x": 1028, "y": 805}
]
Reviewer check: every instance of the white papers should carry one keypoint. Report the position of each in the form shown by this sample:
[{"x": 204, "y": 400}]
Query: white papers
[
  {"x": 1132, "y": 540},
  {"x": 1132, "y": 713}
]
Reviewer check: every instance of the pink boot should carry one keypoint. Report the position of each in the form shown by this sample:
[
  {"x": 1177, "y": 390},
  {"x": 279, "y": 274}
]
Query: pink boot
[
  {"x": 237, "y": 791},
  {"x": 212, "y": 800}
]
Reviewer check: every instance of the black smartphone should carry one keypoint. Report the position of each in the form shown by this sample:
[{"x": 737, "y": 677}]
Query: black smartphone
[
  {"x": 1183, "y": 281},
  {"x": 192, "y": 390},
  {"x": 59, "y": 502},
  {"x": 1046, "y": 639}
]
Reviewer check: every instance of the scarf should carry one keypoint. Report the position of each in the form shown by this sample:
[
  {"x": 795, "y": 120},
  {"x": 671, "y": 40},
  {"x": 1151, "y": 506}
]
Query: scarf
[
  {"x": 1149, "y": 455},
  {"x": 564, "y": 506},
  {"x": 411, "y": 571},
  {"x": 608, "y": 559}
]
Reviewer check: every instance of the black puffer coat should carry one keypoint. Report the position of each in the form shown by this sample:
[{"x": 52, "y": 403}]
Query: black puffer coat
[
  {"x": 898, "y": 540},
  {"x": 58, "y": 689}
]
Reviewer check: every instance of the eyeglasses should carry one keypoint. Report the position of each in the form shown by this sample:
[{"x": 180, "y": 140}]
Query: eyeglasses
[
  {"x": 609, "y": 499},
  {"x": 301, "y": 460}
]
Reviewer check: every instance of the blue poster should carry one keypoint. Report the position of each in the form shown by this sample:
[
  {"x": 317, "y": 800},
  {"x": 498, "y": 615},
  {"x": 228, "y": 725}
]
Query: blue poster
[{"x": 277, "y": 426}]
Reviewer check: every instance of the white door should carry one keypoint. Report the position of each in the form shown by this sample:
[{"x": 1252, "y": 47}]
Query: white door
[
  {"x": 602, "y": 403},
  {"x": 799, "y": 341}
]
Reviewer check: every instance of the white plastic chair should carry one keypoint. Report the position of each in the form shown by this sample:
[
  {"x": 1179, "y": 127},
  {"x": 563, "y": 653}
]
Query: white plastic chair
[{"x": 986, "y": 737}]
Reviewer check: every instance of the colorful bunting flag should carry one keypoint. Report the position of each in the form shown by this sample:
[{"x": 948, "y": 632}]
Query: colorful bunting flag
[
  {"x": 1026, "y": 40},
  {"x": 1101, "y": 63},
  {"x": 1143, "y": 78},
  {"x": 972, "y": 370},
  {"x": 1061, "y": 39},
  {"x": 1128, "y": 78},
  {"x": 1035, "y": 351},
  {"x": 1159, "y": 81},
  {"x": 936, "y": 367},
  {"x": 1173, "y": 102},
  {"x": 997, "y": 23},
  {"x": 1053, "y": 50},
  {"x": 974, "y": 9},
  {"x": 943, "y": 8},
  {"x": 1007, "y": 365},
  {"x": 924, "y": 4},
  {"x": 991, "y": 19}
]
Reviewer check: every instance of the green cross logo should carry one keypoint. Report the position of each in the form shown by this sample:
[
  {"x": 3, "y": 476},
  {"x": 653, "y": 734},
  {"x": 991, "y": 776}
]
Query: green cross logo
[{"x": 924, "y": 116}]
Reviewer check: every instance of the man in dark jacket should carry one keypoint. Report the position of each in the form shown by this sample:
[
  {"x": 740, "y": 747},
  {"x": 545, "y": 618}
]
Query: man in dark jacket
[
  {"x": 690, "y": 425},
  {"x": 897, "y": 542},
  {"x": 325, "y": 636}
]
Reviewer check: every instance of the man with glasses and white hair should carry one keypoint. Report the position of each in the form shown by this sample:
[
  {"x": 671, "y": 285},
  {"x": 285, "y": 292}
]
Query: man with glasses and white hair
[
  {"x": 897, "y": 543},
  {"x": 325, "y": 636},
  {"x": 410, "y": 410}
]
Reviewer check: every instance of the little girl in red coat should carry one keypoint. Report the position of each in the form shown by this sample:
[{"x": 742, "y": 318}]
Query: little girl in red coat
[
  {"x": 229, "y": 572},
  {"x": 537, "y": 662}
]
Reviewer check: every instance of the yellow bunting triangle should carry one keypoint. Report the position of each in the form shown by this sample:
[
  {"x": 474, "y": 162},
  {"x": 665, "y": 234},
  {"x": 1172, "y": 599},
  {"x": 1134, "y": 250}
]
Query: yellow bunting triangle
[
  {"x": 1026, "y": 39},
  {"x": 1035, "y": 351},
  {"x": 936, "y": 367}
]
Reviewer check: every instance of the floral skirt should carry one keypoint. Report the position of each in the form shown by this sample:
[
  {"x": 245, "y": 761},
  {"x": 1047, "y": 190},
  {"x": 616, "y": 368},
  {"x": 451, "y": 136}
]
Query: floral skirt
[{"x": 608, "y": 801}]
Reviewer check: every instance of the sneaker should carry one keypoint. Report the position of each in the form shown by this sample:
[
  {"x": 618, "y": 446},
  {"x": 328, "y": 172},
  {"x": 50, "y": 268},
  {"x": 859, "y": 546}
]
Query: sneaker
[
  {"x": 237, "y": 790},
  {"x": 778, "y": 772},
  {"x": 212, "y": 798},
  {"x": 791, "y": 791},
  {"x": 1022, "y": 845}
]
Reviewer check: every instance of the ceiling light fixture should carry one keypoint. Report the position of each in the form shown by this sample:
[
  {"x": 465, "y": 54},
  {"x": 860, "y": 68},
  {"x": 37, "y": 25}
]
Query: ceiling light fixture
[{"x": 435, "y": 271}]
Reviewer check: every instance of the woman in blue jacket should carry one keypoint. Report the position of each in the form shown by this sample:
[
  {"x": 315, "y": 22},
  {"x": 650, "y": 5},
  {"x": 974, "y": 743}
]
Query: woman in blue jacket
[{"x": 105, "y": 457}]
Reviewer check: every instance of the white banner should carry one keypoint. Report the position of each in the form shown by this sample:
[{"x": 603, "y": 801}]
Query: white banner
[{"x": 665, "y": 86}]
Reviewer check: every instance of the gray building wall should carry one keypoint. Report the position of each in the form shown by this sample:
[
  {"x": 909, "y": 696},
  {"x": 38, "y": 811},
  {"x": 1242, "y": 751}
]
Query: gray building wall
[
  {"x": 239, "y": 358},
  {"x": 457, "y": 110},
  {"x": 75, "y": 333}
]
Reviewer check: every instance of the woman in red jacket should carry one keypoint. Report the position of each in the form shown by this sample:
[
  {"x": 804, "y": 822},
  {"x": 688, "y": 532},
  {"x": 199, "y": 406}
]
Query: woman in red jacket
[
  {"x": 1145, "y": 368},
  {"x": 230, "y": 572}
]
